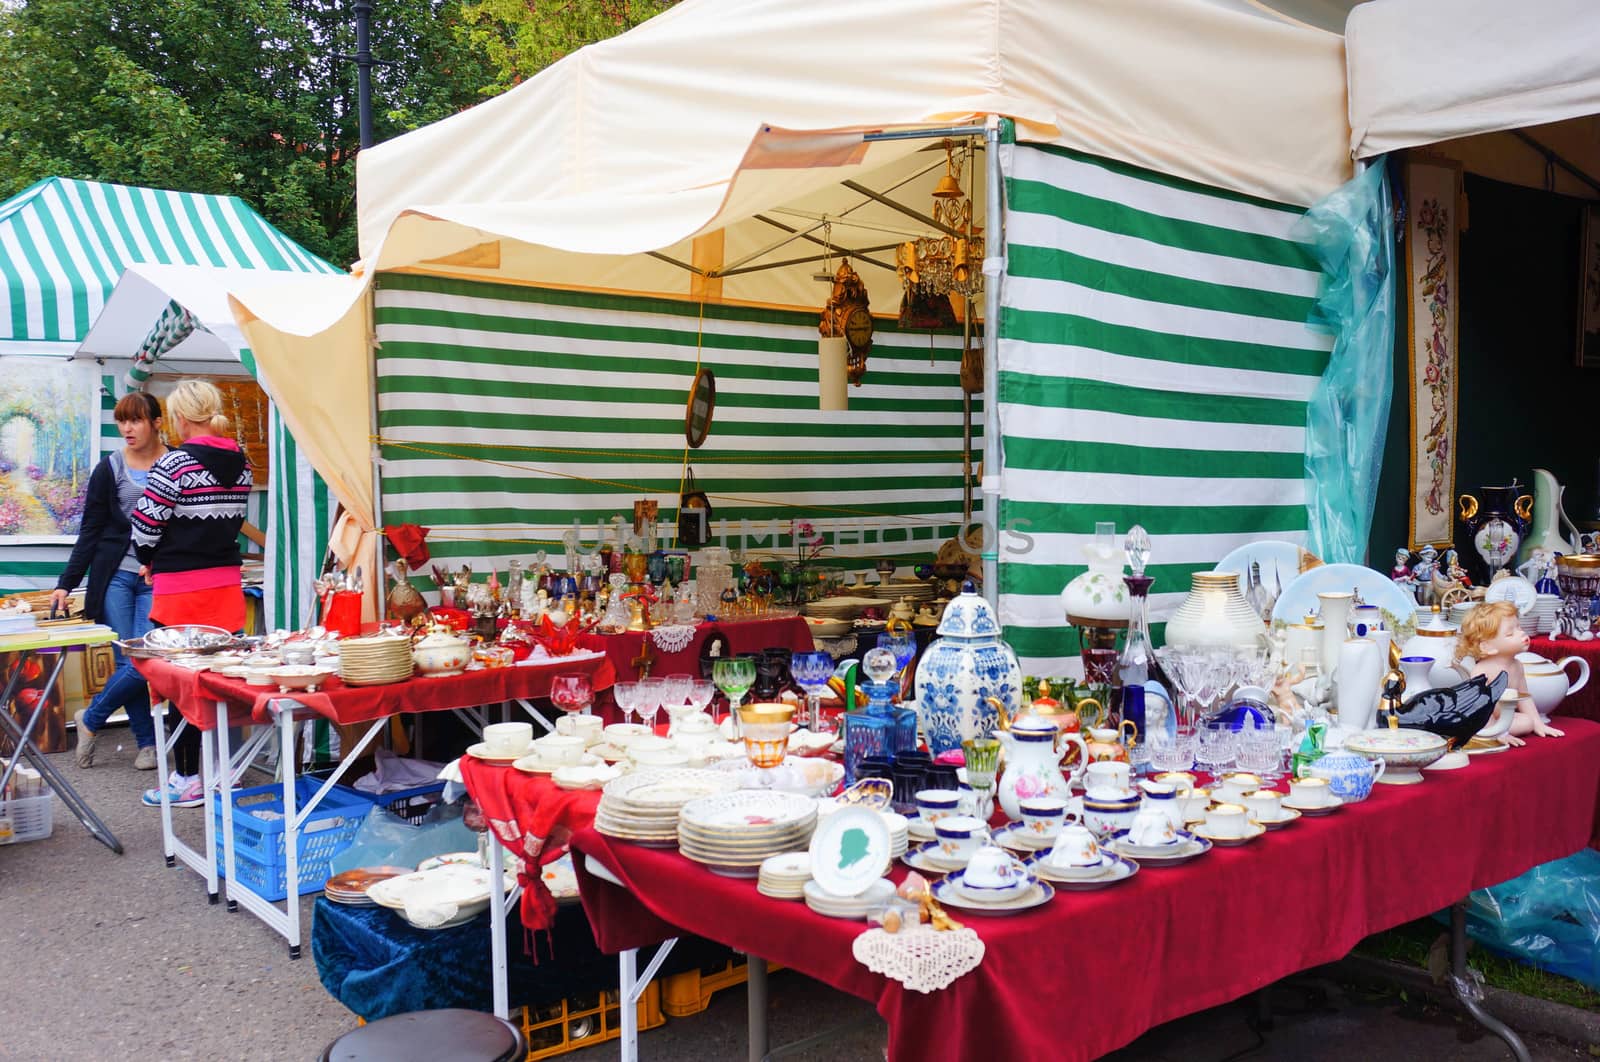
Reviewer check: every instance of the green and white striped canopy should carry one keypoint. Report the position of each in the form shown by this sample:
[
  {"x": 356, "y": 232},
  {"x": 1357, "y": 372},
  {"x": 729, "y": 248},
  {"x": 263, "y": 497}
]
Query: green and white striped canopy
[
  {"x": 1155, "y": 366},
  {"x": 65, "y": 243}
]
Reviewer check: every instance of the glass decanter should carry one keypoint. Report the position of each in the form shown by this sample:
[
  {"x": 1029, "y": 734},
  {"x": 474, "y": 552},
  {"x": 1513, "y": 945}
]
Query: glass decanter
[{"x": 872, "y": 731}]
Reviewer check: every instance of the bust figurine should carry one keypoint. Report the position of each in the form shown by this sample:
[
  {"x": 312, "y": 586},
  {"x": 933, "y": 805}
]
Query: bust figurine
[{"x": 1492, "y": 636}]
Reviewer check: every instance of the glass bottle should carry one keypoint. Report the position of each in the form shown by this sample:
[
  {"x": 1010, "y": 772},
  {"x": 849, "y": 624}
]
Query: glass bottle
[
  {"x": 878, "y": 729},
  {"x": 1136, "y": 664}
]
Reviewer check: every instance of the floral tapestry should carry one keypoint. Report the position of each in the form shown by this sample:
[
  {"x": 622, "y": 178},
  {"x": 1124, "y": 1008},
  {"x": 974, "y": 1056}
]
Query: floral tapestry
[
  {"x": 49, "y": 424},
  {"x": 1432, "y": 252}
]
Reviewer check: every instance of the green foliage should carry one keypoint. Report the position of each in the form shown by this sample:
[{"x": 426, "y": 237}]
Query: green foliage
[{"x": 519, "y": 38}]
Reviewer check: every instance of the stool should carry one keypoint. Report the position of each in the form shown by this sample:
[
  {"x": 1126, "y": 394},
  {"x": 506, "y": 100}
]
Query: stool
[{"x": 429, "y": 1036}]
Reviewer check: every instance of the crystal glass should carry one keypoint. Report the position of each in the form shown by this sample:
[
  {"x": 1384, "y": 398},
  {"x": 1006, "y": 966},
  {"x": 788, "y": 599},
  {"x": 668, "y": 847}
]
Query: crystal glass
[
  {"x": 1260, "y": 751},
  {"x": 1170, "y": 752},
  {"x": 675, "y": 691},
  {"x": 1216, "y": 746},
  {"x": 1195, "y": 673},
  {"x": 571, "y": 692},
  {"x": 812, "y": 671},
  {"x": 903, "y": 644},
  {"x": 626, "y": 694},
  {"x": 734, "y": 678},
  {"x": 652, "y": 691},
  {"x": 701, "y": 693},
  {"x": 983, "y": 763}
]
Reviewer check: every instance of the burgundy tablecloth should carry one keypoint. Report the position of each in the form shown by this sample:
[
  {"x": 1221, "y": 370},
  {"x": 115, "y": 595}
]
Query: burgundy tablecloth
[
  {"x": 1585, "y": 704},
  {"x": 196, "y": 692},
  {"x": 1171, "y": 941}
]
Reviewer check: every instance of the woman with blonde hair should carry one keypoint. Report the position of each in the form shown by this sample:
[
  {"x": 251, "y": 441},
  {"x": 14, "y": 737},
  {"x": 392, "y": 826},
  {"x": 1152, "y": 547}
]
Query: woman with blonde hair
[{"x": 186, "y": 536}]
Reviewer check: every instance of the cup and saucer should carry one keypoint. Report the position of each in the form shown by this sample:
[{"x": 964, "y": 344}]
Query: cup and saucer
[
  {"x": 556, "y": 750},
  {"x": 1311, "y": 796},
  {"x": 957, "y": 839},
  {"x": 1229, "y": 825},
  {"x": 1152, "y": 836},
  {"x": 503, "y": 743},
  {"x": 1266, "y": 807},
  {"x": 1078, "y": 862},
  {"x": 994, "y": 882}
]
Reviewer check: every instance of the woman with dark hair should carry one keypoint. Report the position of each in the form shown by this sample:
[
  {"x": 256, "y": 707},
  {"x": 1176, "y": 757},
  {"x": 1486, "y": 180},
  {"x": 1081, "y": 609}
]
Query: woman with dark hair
[{"x": 115, "y": 594}]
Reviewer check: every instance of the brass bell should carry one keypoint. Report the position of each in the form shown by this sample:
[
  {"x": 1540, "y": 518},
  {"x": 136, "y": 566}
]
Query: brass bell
[{"x": 948, "y": 188}]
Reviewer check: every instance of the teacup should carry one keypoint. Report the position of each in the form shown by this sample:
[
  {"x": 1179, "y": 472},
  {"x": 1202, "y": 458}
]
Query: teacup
[
  {"x": 994, "y": 874},
  {"x": 1106, "y": 778},
  {"x": 558, "y": 748},
  {"x": 959, "y": 837},
  {"x": 1228, "y": 820},
  {"x": 1195, "y": 802},
  {"x": 669, "y": 757},
  {"x": 1264, "y": 805},
  {"x": 1310, "y": 792},
  {"x": 1234, "y": 786},
  {"x": 1182, "y": 781},
  {"x": 587, "y": 727},
  {"x": 936, "y": 804},
  {"x": 507, "y": 739},
  {"x": 1075, "y": 847},
  {"x": 1043, "y": 815},
  {"x": 1151, "y": 827},
  {"x": 624, "y": 734},
  {"x": 646, "y": 741}
]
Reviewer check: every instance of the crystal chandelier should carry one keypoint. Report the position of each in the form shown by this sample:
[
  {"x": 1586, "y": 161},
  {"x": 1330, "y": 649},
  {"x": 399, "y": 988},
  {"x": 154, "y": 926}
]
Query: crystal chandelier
[{"x": 945, "y": 264}]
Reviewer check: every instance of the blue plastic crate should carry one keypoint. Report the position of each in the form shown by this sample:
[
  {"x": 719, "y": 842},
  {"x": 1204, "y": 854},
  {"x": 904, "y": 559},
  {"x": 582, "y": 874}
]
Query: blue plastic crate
[
  {"x": 259, "y": 860},
  {"x": 412, "y": 804}
]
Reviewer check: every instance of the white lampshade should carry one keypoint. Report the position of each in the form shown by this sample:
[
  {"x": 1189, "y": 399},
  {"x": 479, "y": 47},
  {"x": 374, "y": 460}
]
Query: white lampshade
[{"x": 833, "y": 380}]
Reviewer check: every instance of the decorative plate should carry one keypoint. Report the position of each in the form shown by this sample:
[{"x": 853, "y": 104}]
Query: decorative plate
[
  {"x": 670, "y": 787},
  {"x": 1515, "y": 589},
  {"x": 749, "y": 810},
  {"x": 927, "y": 859},
  {"x": 1017, "y": 837},
  {"x": 849, "y": 851},
  {"x": 1313, "y": 810},
  {"x": 1300, "y": 597},
  {"x": 480, "y": 751},
  {"x": 1281, "y": 562}
]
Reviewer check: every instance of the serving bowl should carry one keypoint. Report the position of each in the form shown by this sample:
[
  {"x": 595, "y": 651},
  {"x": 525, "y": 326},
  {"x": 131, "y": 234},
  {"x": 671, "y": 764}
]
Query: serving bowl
[{"x": 1403, "y": 751}]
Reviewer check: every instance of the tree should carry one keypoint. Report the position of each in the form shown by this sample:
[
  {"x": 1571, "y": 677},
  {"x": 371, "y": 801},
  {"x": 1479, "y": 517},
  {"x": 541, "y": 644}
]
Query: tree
[
  {"x": 519, "y": 38},
  {"x": 240, "y": 97}
]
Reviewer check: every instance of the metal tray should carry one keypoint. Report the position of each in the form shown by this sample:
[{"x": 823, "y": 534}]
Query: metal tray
[{"x": 182, "y": 640}]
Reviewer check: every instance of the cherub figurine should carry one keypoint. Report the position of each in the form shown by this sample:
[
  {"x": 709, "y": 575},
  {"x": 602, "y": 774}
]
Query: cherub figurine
[
  {"x": 1492, "y": 637},
  {"x": 1401, "y": 575}
]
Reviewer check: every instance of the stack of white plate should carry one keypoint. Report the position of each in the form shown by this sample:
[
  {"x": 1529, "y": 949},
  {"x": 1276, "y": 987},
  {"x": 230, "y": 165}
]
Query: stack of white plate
[
  {"x": 916, "y": 591},
  {"x": 643, "y": 807},
  {"x": 841, "y": 608},
  {"x": 375, "y": 661},
  {"x": 823, "y": 902},
  {"x": 1543, "y": 616},
  {"x": 1459, "y": 610},
  {"x": 733, "y": 833},
  {"x": 784, "y": 877}
]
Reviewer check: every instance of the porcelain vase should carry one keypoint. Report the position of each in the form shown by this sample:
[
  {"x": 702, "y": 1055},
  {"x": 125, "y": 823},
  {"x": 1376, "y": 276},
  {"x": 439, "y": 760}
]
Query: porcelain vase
[
  {"x": 1334, "y": 609},
  {"x": 967, "y": 664},
  {"x": 1215, "y": 615}
]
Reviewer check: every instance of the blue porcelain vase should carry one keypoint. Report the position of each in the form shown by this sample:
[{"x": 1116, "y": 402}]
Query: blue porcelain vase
[{"x": 967, "y": 664}]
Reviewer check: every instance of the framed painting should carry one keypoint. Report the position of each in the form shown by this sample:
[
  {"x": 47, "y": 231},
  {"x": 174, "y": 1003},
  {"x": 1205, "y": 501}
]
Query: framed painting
[
  {"x": 1433, "y": 242},
  {"x": 49, "y": 442},
  {"x": 1588, "y": 352}
]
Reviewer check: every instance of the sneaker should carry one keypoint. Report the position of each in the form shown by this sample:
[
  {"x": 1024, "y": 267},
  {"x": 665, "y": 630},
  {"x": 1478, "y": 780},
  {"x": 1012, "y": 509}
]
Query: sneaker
[
  {"x": 181, "y": 793},
  {"x": 146, "y": 759},
  {"x": 86, "y": 739}
]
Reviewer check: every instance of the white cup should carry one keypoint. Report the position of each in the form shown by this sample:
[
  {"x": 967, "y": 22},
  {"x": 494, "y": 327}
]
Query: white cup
[
  {"x": 1310, "y": 792},
  {"x": 1182, "y": 781},
  {"x": 1106, "y": 778},
  {"x": 587, "y": 727},
  {"x": 559, "y": 748},
  {"x": 995, "y": 868},
  {"x": 936, "y": 804},
  {"x": 673, "y": 757},
  {"x": 1228, "y": 820},
  {"x": 1043, "y": 815},
  {"x": 1234, "y": 786},
  {"x": 959, "y": 836},
  {"x": 507, "y": 739},
  {"x": 1075, "y": 847},
  {"x": 1195, "y": 802},
  {"x": 624, "y": 734},
  {"x": 1264, "y": 805},
  {"x": 1151, "y": 827}
]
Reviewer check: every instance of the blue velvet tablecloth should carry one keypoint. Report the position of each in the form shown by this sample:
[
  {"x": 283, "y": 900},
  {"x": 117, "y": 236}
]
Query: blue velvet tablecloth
[{"x": 376, "y": 964}]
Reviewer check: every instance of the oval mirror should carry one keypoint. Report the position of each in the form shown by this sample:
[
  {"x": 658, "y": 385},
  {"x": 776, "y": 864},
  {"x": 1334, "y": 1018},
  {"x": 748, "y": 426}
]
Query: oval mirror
[{"x": 702, "y": 404}]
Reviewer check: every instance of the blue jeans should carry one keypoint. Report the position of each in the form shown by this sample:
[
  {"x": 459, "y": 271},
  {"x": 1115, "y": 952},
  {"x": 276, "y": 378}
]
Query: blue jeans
[{"x": 127, "y": 611}]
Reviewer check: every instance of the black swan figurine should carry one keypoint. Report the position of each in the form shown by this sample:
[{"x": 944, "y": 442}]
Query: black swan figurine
[{"x": 1455, "y": 713}]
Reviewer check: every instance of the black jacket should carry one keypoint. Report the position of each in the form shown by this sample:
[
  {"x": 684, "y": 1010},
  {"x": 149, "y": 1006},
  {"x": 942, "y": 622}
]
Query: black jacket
[{"x": 102, "y": 541}]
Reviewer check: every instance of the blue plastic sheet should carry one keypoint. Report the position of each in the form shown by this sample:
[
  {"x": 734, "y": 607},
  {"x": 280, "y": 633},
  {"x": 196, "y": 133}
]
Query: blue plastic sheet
[
  {"x": 1548, "y": 917},
  {"x": 1351, "y": 234}
]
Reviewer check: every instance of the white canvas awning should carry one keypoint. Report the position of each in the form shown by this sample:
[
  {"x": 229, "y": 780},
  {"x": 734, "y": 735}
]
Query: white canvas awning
[{"x": 1422, "y": 71}]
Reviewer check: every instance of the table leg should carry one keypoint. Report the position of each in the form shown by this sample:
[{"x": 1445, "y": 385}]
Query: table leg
[
  {"x": 291, "y": 830},
  {"x": 229, "y": 869},
  {"x": 208, "y": 778},
  {"x": 158, "y": 714},
  {"x": 1467, "y": 985},
  {"x": 538, "y": 716},
  {"x": 632, "y": 986},
  {"x": 497, "y": 927},
  {"x": 756, "y": 986}
]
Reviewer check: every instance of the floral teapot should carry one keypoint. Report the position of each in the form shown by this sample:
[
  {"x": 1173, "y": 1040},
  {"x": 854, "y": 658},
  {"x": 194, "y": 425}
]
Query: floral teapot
[
  {"x": 1033, "y": 747},
  {"x": 962, "y": 670}
]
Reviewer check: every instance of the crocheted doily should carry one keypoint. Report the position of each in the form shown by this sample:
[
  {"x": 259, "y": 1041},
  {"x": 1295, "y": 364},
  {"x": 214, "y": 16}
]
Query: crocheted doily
[
  {"x": 673, "y": 639},
  {"x": 921, "y": 958}
]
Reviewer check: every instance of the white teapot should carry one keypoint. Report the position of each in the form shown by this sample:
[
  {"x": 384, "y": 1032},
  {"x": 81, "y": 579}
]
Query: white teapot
[{"x": 1547, "y": 680}]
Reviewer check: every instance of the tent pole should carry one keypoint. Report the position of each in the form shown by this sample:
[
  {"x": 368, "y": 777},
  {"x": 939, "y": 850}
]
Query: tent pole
[
  {"x": 381, "y": 596},
  {"x": 993, "y": 266}
]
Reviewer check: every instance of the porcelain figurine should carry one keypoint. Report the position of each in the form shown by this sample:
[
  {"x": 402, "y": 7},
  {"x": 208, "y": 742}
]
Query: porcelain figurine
[
  {"x": 1401, "y": 574},
  {"x": 1539, "y": 569},
  {"x": 959, "y": 671},
  {"x": 1492, "y": 636},
  {"x": 1455, "y": 713}
]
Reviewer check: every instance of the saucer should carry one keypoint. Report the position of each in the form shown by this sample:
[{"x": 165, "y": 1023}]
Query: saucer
[
  {"x": 480, "y": 751},
  {"x": 947, "y": 891},
  {"x": 1197, "y": 846},
  {"x": 919, "y": 828},
  {"x": 1017, "y": 837},
  {"x": 1285, "y": 817},
  {"x": 1314, "y": 811},
  {"x": 534, "y": 764},
  {"x": 1151, "y": 851},
  {"x": 1040, "y": 863},
  {"x": 1253, "y": 830},
  {"x": 927, "y": 858},
  {"x": 1118, "y": 870}
]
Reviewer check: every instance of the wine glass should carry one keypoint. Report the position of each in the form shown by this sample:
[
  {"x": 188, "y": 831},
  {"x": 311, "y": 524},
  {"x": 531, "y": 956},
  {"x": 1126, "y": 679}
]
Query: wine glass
[
  {"x": 734, "y": 678},
  {"x": 701, "y": 693},
  {"x": 571, "y": 692},
  {"x": 652, "y": 691},
  {"x": 626, "y": 694},
  {"x": 675, "y": 690},
  {"x": 903, "y": 644},
  {"x": 812, "y": 671}
]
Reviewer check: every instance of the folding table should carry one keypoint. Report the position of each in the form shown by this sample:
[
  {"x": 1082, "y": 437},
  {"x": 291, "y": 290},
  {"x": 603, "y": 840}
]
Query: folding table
[{"x": 55, "y": 642}]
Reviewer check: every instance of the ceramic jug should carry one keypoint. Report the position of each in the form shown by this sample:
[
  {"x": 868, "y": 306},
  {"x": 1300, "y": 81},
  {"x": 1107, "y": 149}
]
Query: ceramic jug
[
  {"x": 1334, "y": 609},
  {"x": 1418, "y": 671},
  {"x": 1550, "y": 525},
  {"x": 1033, "y": 749},
  {"x": 1360, "y": 673},
  {"x": 1496, "y": 525},
  {"x": 960, "y": 670}
]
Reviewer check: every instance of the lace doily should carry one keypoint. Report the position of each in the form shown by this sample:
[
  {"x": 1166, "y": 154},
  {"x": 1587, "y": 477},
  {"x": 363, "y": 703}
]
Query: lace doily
[
  {"x": 673, "y": 639},
  {"x": 921, "y": 958}
]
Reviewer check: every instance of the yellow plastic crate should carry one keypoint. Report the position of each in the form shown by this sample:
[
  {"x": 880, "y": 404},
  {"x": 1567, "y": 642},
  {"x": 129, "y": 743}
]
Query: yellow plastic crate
[
  {"x": 690, "y": 992},
  {"x": 558, "y": 1028}
]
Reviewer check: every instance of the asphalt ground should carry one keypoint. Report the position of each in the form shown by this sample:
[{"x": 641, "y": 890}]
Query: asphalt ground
[{"x": 119, "y": 957}]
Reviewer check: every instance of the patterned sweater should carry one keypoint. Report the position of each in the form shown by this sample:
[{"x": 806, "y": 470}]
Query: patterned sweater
[{"x": 191, "y": 510}]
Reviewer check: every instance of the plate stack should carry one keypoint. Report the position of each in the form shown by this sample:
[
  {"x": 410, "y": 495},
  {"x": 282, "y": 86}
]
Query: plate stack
[
  {"x": 784, "y": 877},
  {"x": 733, "y": 833},
  {"x": 375, "y": 661},
  {"x": 823, "y": 902},
  {"x": 916, "y": 591},
  {"x": 1542, "y": 620},
  {"x": 643, "y": 807},
  {"x": 350, "y": 887}
]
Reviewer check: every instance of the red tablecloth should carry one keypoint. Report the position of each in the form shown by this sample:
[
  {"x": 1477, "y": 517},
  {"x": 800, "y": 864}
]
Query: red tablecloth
[
  {"x": 196, "y": 692},
  {"x": 1170, "y": 942},
  {"x": 1585, "y": 704}
]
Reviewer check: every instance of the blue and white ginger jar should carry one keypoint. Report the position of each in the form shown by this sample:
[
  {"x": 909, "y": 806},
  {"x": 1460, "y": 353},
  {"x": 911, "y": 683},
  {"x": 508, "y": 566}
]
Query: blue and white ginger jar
[{"x": 966, "y": 664}]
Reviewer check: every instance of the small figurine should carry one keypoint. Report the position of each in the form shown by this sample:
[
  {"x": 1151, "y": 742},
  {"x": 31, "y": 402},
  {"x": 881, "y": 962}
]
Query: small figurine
[
  {"x": 1401, "y": 574},
  {"x": 1422, "y": 572},
  {"x": 1448, "y": 577},
  {"x": 1492, "y": 636},
  {"x": 1537, "y": 570}
]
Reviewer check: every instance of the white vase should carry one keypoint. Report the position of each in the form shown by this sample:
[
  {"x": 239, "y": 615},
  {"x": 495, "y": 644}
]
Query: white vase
[
  {"x": 1360, "y": 673},
  {"x": 1099, "y": 596},
  {"x": 1334, "y": 609},
  {"x": 1215, "y": 615}
]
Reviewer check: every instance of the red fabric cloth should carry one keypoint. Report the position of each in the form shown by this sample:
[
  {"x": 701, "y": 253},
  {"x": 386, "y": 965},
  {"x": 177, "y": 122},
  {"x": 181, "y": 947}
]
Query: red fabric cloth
[
  {"x": 1288, "y": 901},
  {"x": 219, "y": 606},
  {"x": 196, "y": 692},
  {"x": 1585, "y": 704},
  {"x": 534, "y": 819},
  {"x": 745, "y": 636}
]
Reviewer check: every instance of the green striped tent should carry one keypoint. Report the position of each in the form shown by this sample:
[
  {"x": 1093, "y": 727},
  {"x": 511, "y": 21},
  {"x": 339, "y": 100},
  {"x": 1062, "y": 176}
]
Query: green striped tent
[
  {"x": 64, "y": 246},
  {"x": 510, "y": 413},
  {"x": 1154, "y": 368}
]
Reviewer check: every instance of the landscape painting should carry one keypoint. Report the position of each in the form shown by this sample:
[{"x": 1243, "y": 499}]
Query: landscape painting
[{"x": 47, "y": 447}]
